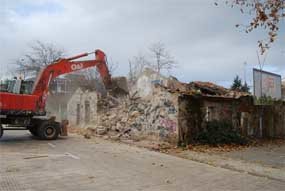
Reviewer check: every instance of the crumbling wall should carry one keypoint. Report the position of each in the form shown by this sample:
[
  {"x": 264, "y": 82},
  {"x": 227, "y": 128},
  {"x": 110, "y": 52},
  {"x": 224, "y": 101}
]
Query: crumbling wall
[
  {"x": 194, "y": 111},
  {"x": 225, "y": 109},
  {"x": 190, "y": 118},
  {"x": 57, "y": 106},
  {"x": 145, "y": 83},
  {"x": 162, "y": 115},
  {"x": 82, "y": 107},
  {"x": 273, "y": 120}
]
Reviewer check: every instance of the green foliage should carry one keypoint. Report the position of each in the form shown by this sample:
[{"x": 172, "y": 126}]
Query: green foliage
[
  {"x": 218, "y": 133},
  {"x": 245, "y": 88},
  {"x": 264, "y": 100},
  {"x": 237, "y": 85}
]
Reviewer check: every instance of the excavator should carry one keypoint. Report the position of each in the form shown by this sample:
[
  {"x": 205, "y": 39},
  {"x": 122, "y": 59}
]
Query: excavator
[{"x": 22, "y": 103}]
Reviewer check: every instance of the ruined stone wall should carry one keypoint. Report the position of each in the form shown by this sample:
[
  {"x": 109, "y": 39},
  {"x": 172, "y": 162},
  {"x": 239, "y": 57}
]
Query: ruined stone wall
[
  {"x": 57, "y": 106},
  {"x": 273, "y": 121},
  {"x": 82, "y": 107},
  {"x": 190, "y": 118},
  {"x": 162, "y": 115},
  {"x": 146, "y": 81},
  {"x": 194, "y": 111}
]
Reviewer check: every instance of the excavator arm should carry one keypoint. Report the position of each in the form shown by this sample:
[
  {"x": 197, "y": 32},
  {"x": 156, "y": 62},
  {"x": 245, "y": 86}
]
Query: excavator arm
[{"x": 68, "y": 65}]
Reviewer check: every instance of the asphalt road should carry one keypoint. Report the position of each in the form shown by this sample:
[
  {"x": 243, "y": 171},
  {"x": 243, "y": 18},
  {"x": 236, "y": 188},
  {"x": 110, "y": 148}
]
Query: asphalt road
[{"x": 75, "y": 163}]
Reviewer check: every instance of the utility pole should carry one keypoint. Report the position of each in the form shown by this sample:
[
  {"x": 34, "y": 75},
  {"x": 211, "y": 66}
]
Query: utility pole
[
  {"x": 261, "y": 65},
  {"x": 260, "y": 97},
  {"x": 245, "y": 65},
  {"x": 131, "y": 75}
]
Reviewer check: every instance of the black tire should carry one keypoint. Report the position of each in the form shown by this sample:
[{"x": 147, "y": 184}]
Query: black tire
[
  {"x": 1, "y": 131},
  {"x": 48, "y": 130}
]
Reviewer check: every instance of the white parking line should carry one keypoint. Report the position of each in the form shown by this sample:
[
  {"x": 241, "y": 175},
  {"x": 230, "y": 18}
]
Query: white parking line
[
  {"x": 52, "y": 145},
  {"x": 72, "y": 156}
]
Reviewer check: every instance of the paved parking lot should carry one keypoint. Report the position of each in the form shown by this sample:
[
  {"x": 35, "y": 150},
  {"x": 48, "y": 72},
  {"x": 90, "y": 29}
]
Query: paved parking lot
[
  {"x": 268, "y": 155},
  {"x": 75, "y": 163}
]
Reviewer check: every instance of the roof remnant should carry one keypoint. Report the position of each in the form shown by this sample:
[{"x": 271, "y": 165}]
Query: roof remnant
[
  {"x": 173, "y": 85},
  {"x": 207, "y": 88},
  {"x": 203, "y": 88}
]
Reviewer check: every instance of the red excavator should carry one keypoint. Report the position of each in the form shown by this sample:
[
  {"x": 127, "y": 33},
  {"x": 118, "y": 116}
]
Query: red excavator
[{"x": 22, "y": 104}]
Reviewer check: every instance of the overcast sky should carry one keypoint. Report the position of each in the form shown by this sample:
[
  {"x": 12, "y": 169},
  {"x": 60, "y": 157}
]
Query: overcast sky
[{"x": 201, "y": 36}]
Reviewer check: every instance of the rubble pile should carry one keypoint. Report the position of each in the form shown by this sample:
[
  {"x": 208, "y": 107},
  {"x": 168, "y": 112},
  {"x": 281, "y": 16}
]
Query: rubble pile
[
  {"x": 117, "y": 118},
  {"x": 130, "y": 118}
]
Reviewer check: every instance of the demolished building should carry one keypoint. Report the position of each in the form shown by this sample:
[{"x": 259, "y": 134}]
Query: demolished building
[
  {"x": 204, "y": 102},
  {"x": 165, "y": 109}
]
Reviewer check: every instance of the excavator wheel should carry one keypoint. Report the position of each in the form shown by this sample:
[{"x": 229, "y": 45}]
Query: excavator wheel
[
  {"x": 1, "y": 131},
  {"x": 48, "y": 130}
]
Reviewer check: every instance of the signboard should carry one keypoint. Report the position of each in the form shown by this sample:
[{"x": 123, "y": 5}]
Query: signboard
[{"x": 266, "y": 84}]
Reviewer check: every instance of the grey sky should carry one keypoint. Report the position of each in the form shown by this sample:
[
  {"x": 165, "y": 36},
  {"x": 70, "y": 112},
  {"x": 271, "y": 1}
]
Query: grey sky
[{"x": 202, "y": 37}]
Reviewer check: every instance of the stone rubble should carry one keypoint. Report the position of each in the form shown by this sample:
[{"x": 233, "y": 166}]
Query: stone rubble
[{"x": 131, "y": 118}]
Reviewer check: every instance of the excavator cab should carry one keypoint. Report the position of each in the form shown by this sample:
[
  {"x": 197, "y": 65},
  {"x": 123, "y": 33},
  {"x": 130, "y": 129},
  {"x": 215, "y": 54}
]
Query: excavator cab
[
  {"x": 8, "y": 86},
  {"x": 26, "y": 87},
  {"x": 17, "y": 86}
]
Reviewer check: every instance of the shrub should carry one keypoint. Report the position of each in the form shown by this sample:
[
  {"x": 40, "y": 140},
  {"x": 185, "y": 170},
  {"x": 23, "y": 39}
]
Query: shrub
[{"x": 218, "y": 133}]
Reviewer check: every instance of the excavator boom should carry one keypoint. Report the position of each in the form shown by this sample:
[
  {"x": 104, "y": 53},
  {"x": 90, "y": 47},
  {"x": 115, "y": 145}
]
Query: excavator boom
[{"x": 68, "y": 65}]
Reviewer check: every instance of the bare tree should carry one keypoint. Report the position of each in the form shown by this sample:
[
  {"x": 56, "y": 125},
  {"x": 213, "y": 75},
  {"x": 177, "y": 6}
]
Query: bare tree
[
  {"x": 93, "y": 78},
  {"x": 158, "y": 59},
  {"x": 136, "y": 66},
  {"x": 93, "y": 74},
  {"x": 90, "y": 74},
  {"x": 40, "y": 54},
  {"x": 112, "y": 66},
  {"x": 161, "y": 58},
  {"x": 266, "y": 14}
]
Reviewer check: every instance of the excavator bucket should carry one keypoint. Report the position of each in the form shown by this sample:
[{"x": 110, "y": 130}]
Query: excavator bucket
[{"x": 119, "y": 86}]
